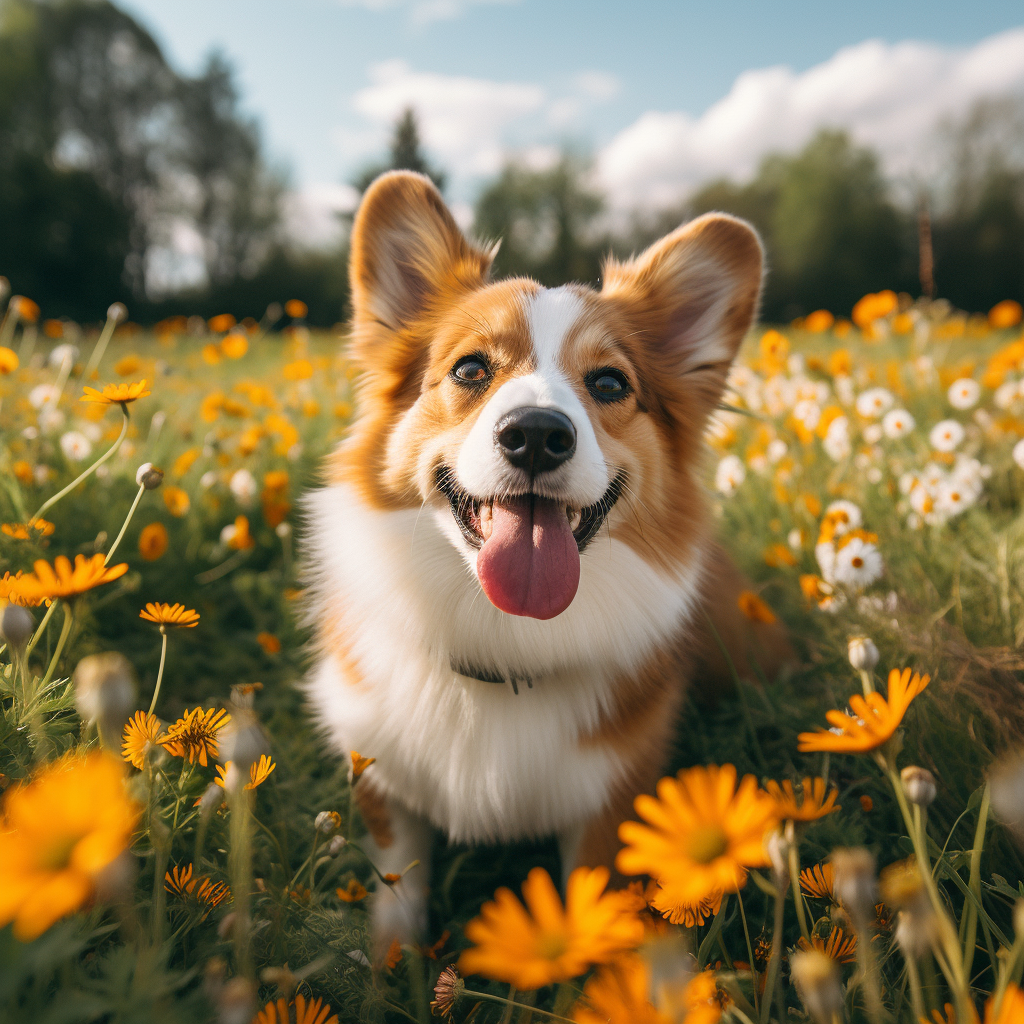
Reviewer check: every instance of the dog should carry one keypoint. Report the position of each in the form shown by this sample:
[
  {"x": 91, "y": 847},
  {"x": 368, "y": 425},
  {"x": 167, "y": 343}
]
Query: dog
[{"x": 512, "y": 568}]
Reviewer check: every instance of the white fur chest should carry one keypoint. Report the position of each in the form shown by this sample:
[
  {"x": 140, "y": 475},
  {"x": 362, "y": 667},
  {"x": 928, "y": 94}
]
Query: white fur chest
[{"x": 480, "y": 761}]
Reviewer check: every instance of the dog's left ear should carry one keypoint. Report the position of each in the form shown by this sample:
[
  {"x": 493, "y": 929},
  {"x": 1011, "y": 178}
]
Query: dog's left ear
[
  {"x": 407, "y": 251},
  {"x": 696, "y": 290}
]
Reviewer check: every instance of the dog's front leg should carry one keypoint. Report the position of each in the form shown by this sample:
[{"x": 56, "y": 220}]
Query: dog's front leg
[{"x": 397, "y": 839}]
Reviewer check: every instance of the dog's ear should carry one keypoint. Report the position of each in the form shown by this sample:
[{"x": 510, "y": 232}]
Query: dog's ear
[
  {"x": 407, "y": 251},
  {"x": 696, "y": 290}
]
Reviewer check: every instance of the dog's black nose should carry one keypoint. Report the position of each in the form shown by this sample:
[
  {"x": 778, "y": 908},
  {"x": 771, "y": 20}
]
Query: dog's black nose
[{"x": 536, "y": 439}]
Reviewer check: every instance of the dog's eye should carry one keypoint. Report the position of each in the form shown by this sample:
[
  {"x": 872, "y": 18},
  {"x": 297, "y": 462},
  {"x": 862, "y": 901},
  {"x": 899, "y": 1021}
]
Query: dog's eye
[
  {"x": 471, "y": 370},
  {"x": 607, "y": 385}
]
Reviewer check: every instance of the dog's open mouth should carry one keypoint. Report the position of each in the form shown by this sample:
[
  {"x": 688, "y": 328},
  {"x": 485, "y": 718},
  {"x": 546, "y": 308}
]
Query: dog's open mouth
[{"x": 529, "y": 560}]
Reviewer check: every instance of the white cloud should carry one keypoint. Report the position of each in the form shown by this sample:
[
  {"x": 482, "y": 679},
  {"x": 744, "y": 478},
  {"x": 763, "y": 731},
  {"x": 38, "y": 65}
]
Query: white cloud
[
  {"x": 890, "y": 97},
  {"x": 462, "y": 120},
  {"x": 313, "y": 214},
  {"x": 424, "y": 12}
]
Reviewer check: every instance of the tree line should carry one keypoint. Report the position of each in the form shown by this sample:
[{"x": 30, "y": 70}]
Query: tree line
[{"x": 107, "y": 154}]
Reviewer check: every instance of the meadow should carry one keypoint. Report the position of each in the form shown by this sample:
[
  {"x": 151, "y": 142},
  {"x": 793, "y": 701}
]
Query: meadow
[{"x": 201, "y": 860}]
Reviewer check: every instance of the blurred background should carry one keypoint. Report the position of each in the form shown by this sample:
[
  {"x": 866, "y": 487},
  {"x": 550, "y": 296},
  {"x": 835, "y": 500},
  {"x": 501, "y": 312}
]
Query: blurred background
[{"x": 206, "y": 156}]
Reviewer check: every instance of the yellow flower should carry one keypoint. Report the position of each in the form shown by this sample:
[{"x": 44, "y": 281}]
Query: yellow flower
[
  {"x": 258, "y": 772},
  {"x": 298, "y": 1011},
  {"x": 819, "y": 881},
  {"x": 706, "y": 832},
  {"x": 234, "y": 345},
  {"x": 179, "y": 882},
  {"x": 153, "y": 541},
  {"x": 24, "y": 308},
  {"x": 874, "y": 718},
  {"x": 239, "y": 538},
  {"x": 23, "y": 531},
  {"x": 176, "y": 500},
  {"x": 620, "y": 994},
  {"x": 140, "y": 736},
  {"x": 688, "y": 914},
  {"x": 116, "y": 394},
  {"x": 352, "y": 893},
  {"x": 1007, "y": 313},
  {"x": 754, "y": 608},
  {"x": 57, "y": 833},
  {"x": 818, "y": 321},
  {"x": 184, "y": 462},
  {"x": 64, "y": 581},
  {"x": 221, "y": 323},
  {"x": 360, "y": 764},
  {"x": 839, "y": 947},
  {"x": 170, "y": 615},
  {"x": 1011, "y": 1009},
  {"x": 812, "y": 803},
  {"x": 549, "y": 943},
  {"x": 194, "y": 735},
  {"x": 8, "y": 360},
  {"x": 127, "y": 365},
  {"x": 301, "y": 369}
]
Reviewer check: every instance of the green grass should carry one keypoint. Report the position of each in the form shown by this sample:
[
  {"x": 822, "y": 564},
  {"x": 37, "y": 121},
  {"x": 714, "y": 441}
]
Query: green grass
[{"x": 959, "y": 615}]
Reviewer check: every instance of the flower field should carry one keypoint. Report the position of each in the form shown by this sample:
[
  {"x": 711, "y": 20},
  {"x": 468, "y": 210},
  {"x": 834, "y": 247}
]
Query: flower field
[{"x": 841, "y": 844}]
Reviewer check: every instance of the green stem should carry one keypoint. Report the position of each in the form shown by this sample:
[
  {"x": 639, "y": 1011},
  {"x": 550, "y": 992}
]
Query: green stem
[
  {"x": 160, "y": 670},
  {"x": 241, "y": 875},
  {"x": 124, "y": 526},
  {"x": 750, "y": 951},
  {"x": 866, "y": 682},
  {"x": 971, "y": 929},
  {"x": 916, "y": 999},
  {"x": 40, "y": 629},
  {"x": 99, "y": 349},
  {"x": 65, "y": 629},
  {"x": 515, "y": 1005},
  {"x": 798, "y": 896},
  {"x": 775, "y": 960},
  {"x": 92, "y": 469}
]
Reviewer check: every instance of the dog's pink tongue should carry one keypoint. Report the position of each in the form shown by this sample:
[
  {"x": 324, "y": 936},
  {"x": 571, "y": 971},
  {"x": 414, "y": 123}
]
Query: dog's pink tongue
[{"x": 530, "y": 564}]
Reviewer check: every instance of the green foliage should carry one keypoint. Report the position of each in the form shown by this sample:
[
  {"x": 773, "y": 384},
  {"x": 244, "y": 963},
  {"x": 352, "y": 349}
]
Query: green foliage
[{"x": 406, "y": 155}]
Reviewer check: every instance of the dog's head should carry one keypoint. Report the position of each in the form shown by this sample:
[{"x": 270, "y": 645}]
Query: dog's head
[{"x": 527, "y": 417}]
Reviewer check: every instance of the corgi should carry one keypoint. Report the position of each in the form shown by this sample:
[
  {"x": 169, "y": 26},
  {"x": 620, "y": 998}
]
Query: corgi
[{"x": 512, "y": 566}]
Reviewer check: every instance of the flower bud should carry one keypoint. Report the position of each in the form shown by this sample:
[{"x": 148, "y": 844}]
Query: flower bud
[
  {"x": 237, "y": 1002},
  {"x": 212, "y": 796},
  {"x": 274, "y": 312},
  {"x": 336, "y": 845},
  {"x": 283, "y": 530},
  {"x": 863, "y": 653},
  {"x": 855, "y": 884},
  {"x": 117, "y": 311},
  {"x": 16, "y": 626},
  {"x": 777, "y": 847},
  {"x": 105, "y": 693},
  {"x": 243, "y": 741},
  {"x": 1007, "y": 788},
  {"x": 149, "y": 476},
  {"x": 914, "y": 932},
  {"x": 919, "y": 785},
  {"x": 327, "y": 822},
  {"x": 816, "y": 978}
]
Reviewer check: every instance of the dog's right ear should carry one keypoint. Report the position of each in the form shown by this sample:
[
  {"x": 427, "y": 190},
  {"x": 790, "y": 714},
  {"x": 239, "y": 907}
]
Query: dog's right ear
[{"x": 408, "y": 252}]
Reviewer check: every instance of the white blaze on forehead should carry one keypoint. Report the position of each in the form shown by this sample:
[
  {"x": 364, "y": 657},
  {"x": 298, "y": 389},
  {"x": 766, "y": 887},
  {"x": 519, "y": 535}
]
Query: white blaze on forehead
[{"x": 481, "y": 469}]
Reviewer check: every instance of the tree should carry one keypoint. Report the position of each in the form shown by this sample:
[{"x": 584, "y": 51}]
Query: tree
[
  {"x": 406, "y": 154},
  {"x": 546, "y": 222}
]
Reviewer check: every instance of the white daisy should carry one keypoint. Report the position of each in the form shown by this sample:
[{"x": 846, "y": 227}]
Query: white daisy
[
  {"x": 898, "y": 423},
  {"x": 42, "y": 394},
  {"x": 858, "y": 564},
  {"x": 946, "y": 435},
  {"x": 873, "y": 433},
  {"x": 825, "y": 553},
  {"x": 61, "y": 354},
  {"x": 837, "y": 439},
  {"x": 853, "y": 520},
  {"x": 243, "y": 486},
  {"x": 75, "y": 446},
  {"x": 1018, "y": 453},
  {"x": 953, "y": 499},
  {"x": 964, "y": 393},
  {"x": 729, "y": 474},
  {"x": 776, "y": 450},
  {"x": 1006, "y": 394},
  {"x": 874, "y": 402}
]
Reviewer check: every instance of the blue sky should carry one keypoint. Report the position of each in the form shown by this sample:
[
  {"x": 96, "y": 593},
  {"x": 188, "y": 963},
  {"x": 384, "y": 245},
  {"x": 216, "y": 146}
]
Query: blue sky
[{"x": 662, "y": 93}]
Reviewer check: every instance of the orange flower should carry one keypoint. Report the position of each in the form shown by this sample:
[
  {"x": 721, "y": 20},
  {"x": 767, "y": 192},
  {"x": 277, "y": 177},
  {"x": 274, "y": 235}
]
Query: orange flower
[
  {"x": 300, "y": 369},
  {"x": 819, "y": 881},
  {"x": 1009, "y": 1011},
  {"x": 24, "y": 308},
  {"x": 352, "y": 893},
  {"x": 703, "y": 833},
  {"x": 116, "y": 394},
  {"x": 545, "y": 942},
  {"x": 754, "y": 608},
  {"x": 838, "y": 947},
  {"x": 237, "y": 535},
  {"x": 170, "y": 615},
  {"x": 127, "y": 365},
  {"x": 259, "y": 772},
  {"x": 688, "y": 914},
  {"x": 176, "y": 500},
  {"x": 184, "y": 462},
  {"x": 10, "y": 590},
  {"x": 57, "y": 834},
  {"x": 24, "y": 531},
  {"x": 1007, "y": 313},
  {"x": 234, "y": 345},
  {"x": 153, "y": 541},
  {"x": 360, "y": 764},
  {"x": 64, "y": 581},
  {"x": 269, "y": 643},
  {"x": 194, "y": 735},
  {"x": 812, "y": 803},
  {"x": 818, "y": 321},
  {"x": 140, "y": 736},
  {"x": 221, "y": 323},
  {"x": 873, "y": 721},
  {"x": 8, "y": 360},
  {"x": 179, "y": 882},
  {"x": 296, "y": 309},
  {"x": 298, "y": 1011},
  {"x": 778, "y": 555},
  {"x": 866, "y": 803}
]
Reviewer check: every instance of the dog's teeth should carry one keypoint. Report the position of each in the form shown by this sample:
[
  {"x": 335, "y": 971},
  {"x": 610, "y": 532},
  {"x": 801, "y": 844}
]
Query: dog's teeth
[
  {"x": 486, "y": 522},
  {"x": 574, "y": 516}
]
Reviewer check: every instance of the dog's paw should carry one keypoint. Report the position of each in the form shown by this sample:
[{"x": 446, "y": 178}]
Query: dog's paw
[{"x": 398, "y": 914}]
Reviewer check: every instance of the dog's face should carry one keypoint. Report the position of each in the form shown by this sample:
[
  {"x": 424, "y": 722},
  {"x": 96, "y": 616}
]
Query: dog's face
[{"x": 530, "y": 418}]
